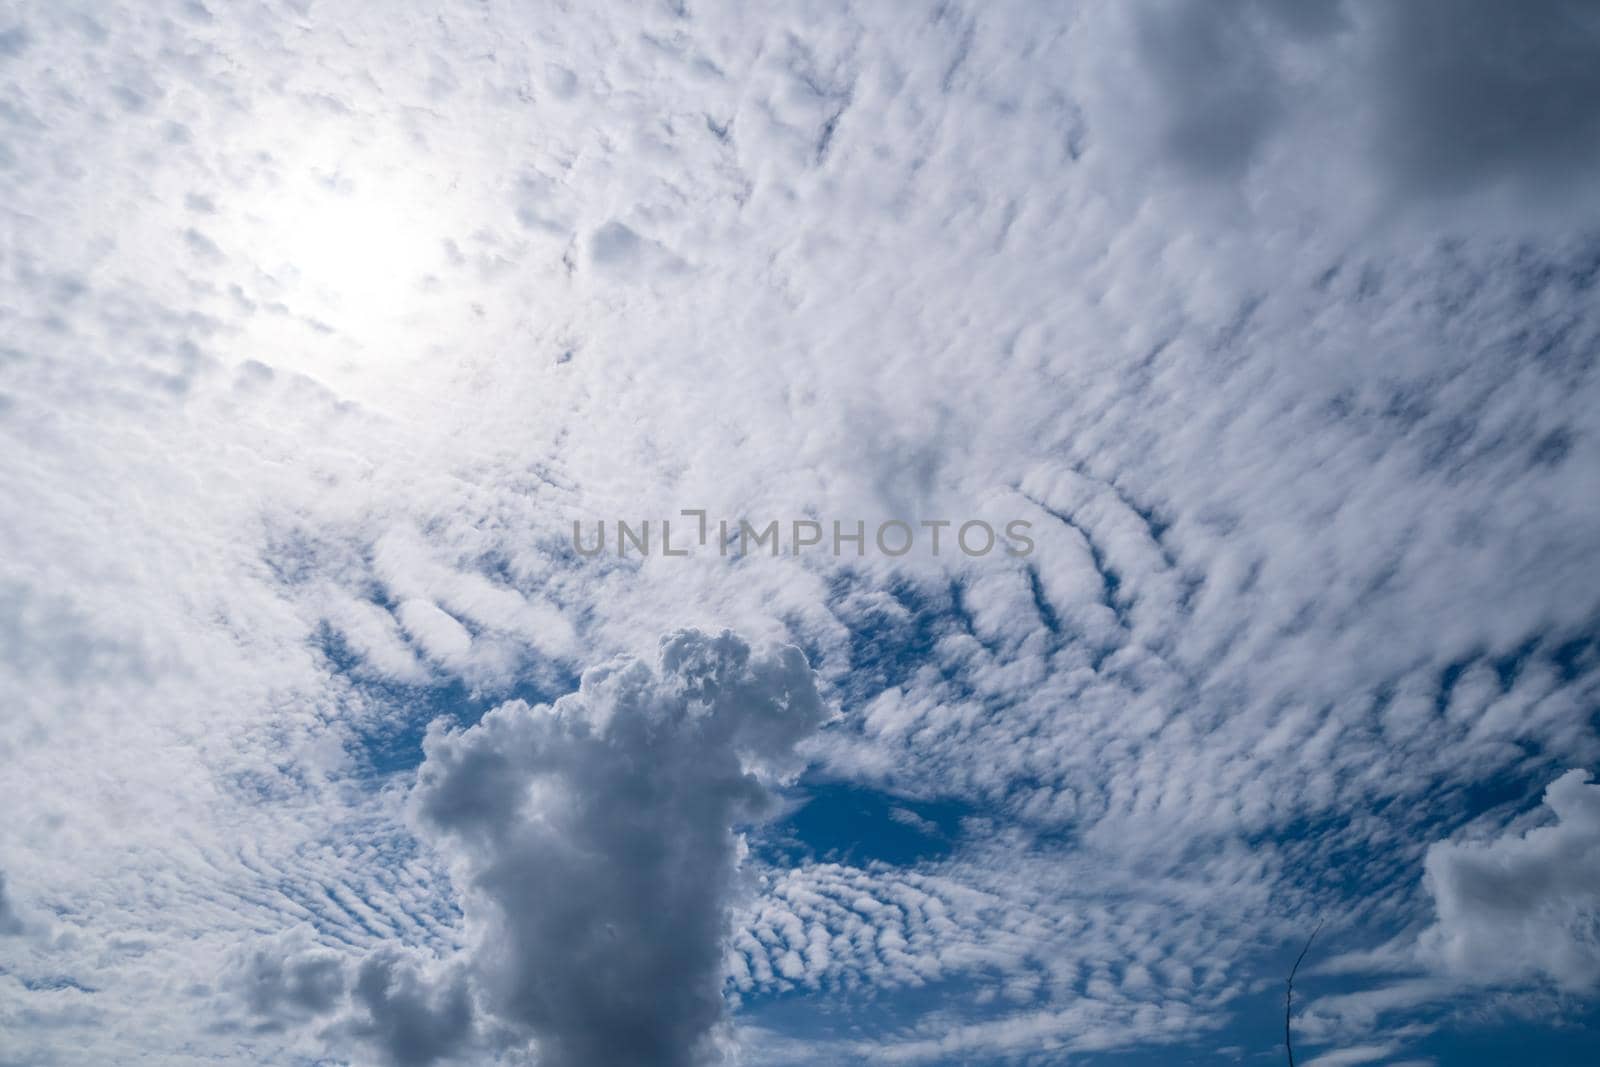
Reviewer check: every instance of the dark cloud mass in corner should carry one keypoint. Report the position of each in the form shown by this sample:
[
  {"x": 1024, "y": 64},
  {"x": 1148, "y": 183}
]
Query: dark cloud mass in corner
[
  {"x": 1438, "y": 97},
  {"x": 595, "y": 840},
  {"x": 1478, "y": 91},
  {"x": 1217, "y": 68}
]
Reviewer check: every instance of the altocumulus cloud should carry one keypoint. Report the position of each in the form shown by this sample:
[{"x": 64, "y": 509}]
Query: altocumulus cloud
[{"x": 595, "y": 841}]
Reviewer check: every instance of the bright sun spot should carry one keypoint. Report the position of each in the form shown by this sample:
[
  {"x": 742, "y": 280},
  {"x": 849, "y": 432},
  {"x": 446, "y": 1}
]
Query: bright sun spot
[
  {"x": 342, "y": 237},
  {"x": 340, "y": 245},
  {"x": 356, "y": 247}
]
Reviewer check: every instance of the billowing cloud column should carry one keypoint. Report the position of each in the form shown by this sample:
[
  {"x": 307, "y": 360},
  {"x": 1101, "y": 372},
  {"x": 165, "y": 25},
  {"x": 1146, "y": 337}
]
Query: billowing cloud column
[{"x": 595, "y": 842}]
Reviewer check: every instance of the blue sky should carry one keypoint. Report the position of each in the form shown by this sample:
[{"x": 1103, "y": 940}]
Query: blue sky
[{"x": 321, "y": 326}]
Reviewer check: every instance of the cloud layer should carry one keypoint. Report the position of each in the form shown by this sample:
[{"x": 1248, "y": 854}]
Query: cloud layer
[{"x": 319, "y": 329}]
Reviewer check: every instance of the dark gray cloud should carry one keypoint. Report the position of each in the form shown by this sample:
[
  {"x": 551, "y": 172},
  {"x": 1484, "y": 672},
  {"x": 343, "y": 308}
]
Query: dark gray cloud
[
  {"x": 289, "y": 979},
  {"x": 1435, "y": 98},
  {"x": 412, "y": 1020},
  {"x": 408, "y": 1009},
  {"x": 1218, "y": 65},
  {"x": 1470, "y": 92}
]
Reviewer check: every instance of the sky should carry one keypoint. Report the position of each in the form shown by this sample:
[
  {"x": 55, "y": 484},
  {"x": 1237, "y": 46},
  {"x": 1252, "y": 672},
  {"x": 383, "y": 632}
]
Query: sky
[{"x": 325, "y": 324}]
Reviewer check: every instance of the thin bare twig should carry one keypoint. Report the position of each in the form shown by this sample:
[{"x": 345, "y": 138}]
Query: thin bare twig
[{"x": 1288, "y": 995}]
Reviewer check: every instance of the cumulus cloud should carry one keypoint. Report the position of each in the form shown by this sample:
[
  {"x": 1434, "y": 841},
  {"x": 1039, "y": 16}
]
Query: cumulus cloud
[
  {"x": 1524, "y": 904},
  {"x": 595, "y": 842},
  {"x": 411, "y": 1016},
  {"x": 288, "y": 978}
]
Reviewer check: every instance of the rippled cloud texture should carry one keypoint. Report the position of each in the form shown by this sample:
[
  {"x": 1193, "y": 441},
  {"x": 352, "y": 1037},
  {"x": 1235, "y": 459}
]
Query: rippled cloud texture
[{"x": 321, "y": 324}]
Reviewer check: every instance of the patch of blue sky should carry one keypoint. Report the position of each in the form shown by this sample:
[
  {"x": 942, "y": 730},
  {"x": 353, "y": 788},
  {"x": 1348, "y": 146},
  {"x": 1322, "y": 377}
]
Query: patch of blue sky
[
  {"x": 1567, "y": 1036},
  {"x": 1475, "y": 1033},
  {"x": 895, "y": 630},
  {"x": 842, "y": 823},
  {"x": 390, "y": 742}
]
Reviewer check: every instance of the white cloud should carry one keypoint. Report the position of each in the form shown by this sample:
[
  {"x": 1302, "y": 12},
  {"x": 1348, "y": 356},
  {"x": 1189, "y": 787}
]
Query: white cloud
[
  {"x": 1525, "y": 903},
  {"x": 1345, "y": 1057}
]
